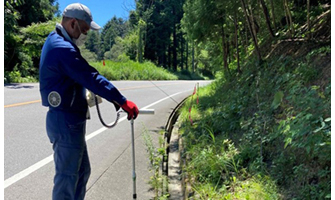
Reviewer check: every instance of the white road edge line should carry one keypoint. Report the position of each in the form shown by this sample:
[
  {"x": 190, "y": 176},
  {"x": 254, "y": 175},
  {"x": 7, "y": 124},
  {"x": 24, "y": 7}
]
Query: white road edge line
[{"x": 24, "y": 173}]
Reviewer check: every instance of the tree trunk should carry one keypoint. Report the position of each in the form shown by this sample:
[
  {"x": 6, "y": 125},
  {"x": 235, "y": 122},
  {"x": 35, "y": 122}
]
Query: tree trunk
[
  {"x": 186, "y": 59},
  {"x": 289, "y": 18},
  {"x": 181, "y": 51},
  {"x": 267, "y": 17},
  {"x": 286, "y": 17},
  {"x": 163, "y": 56},
  {"x": 273, "y": 15},
  {"x": 169, "y": 56},
  {"x": 252, "y": 18},
  {"x": 309, "y": 35},
  {"x": 236, "y": 43},
  {"x": 224, "y": 50},
  {"x": 251, "y": 31},
  {"x": 246, "y": 37},
  {"x": 140, "y": 46},
  {"x": 193, "y": 65},
  {"x": 174, "y": 47}
]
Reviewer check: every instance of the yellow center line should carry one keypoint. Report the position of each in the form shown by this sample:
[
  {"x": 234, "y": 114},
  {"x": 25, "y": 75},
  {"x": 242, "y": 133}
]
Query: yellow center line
[
  {"x": 122, "y": 89},
  {"x": 21, "y": 104}
]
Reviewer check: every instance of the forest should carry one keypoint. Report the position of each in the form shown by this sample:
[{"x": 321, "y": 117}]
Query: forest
[
  {"x": 178, "y": 35},
  {"x": 262, "y": 130},
  {"x": 152, "y": 33}
]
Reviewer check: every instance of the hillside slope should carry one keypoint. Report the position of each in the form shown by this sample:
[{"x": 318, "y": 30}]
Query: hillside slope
[{"x": 266, "y": 133}]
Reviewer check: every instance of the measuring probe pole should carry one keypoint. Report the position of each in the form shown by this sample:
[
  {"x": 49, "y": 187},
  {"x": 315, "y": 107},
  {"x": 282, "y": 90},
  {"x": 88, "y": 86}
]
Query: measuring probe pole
[{"x": 141, "y": 112}]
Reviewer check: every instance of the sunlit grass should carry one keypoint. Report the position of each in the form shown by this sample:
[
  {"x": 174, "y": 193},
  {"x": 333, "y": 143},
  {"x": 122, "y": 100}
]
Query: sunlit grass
[{"x": 130, "y": 70}]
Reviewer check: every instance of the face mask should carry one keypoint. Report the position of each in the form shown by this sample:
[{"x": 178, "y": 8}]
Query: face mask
[{"x": 81, "y": 39}]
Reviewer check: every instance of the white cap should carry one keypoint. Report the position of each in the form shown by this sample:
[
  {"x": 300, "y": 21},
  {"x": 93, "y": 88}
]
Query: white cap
[{"x": 82, "y": 12}]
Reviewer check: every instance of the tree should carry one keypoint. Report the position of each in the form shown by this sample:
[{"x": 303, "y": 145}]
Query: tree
[
  {"x": 237, "y": 41},
  {"x": 114, "y": 28},
  {"x": 34, "y": 11},
  {"x": 12, "y": 41},
  {"x": 163, "y": 38},
  {"x": 141, "y": 31},
  {"x": 201, "y": 23},
  {"x": 273, "y": 15},
  {"x": 308, "y": 20},
  {"x": 252, "y": 32},
  {"x": 288, "y": 16},
  {"x": 267, "y": 17},
  {"x": 117, "y": 50},
  {"x": 23, "y": 44},
  {"x": 205, "y": 21},
  {"x": 33, "y": 38},
  {"x": 157, "y": 30},
  {"x": 130, "y": 43},
  {"x": 93, "y": 42}
]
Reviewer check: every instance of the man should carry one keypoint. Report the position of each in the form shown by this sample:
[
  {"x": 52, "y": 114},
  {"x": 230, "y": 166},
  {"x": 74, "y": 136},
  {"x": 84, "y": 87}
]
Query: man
[{"x": 64, "y": 75}]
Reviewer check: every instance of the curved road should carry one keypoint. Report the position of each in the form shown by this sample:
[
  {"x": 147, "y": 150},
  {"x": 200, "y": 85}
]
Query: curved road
[{"x": 28, "y": 162}]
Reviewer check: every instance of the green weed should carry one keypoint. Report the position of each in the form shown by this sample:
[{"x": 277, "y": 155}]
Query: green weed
[
  {"x": 158, "y": 181},
  {"x": 265, "y": 134},
  {"x": 130, "y": 70}
]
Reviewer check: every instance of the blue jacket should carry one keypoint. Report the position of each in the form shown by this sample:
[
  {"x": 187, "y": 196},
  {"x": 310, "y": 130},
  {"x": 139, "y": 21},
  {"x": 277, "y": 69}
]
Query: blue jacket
[{"x": 65, "y": 72}]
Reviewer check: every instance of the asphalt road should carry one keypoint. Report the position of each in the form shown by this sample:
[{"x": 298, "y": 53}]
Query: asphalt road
[{"x": 28, "y": 163}]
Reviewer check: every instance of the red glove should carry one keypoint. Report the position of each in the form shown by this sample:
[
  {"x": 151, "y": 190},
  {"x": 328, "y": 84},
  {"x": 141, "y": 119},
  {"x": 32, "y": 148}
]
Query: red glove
[{"x": 131, "y": 108}]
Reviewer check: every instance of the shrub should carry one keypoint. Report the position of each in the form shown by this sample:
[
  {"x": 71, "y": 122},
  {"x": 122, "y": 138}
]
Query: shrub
[
  {"x": 279, "y": 123},
  {"x": 130, "y": 70}
]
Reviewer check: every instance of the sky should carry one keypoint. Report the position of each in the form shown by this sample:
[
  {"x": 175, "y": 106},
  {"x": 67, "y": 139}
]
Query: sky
[{"x": 103, "y": 10}]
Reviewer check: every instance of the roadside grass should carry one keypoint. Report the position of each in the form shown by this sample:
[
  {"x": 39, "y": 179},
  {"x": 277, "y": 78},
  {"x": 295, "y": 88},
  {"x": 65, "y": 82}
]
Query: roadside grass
[
  {"x": 254, "y": 188},
  {"x": 16, "y": 77},
  {"x": 214, "y": 162},
  {"x": 265, "y": 134},
  {"x": 158, "y": 181},
  {"x": 130, "y": 70},
  {"x": 122, "y": 70}
]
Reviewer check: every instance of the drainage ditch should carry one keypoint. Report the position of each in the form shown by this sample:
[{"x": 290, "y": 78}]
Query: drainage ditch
[{"x": 173, "y": 161}]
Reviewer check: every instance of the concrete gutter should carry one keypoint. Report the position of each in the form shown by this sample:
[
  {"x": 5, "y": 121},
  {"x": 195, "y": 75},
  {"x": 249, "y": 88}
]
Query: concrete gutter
[
  {"x": 176, "y": 189},
  {"x": 173, "y": 163}
]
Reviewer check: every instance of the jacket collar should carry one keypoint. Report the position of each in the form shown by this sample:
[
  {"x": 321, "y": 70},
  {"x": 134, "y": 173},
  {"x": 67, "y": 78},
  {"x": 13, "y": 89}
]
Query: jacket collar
[{"x": 63, "y": 32}]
